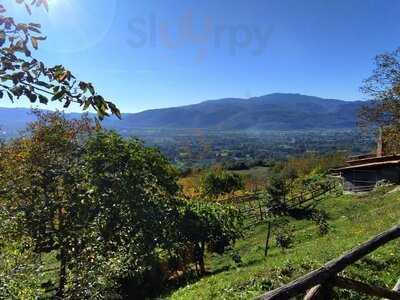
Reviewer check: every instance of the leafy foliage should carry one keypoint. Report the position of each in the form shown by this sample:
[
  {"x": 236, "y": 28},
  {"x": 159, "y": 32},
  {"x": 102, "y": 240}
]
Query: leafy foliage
[
  {"x": 210, "y": 224},
  {"x": 284, "y": 234},
  {"x": 320, "y": 218},
  {"x": 107, "y": 208},
  {"x": 20, "y": 268},
  {"x": 310, "y": 163},
  {"x": 384, "y": 86},
  {"x": 133, "y": 190},
  {"x": 277, "y": 190},
  {"x": 216, "y": 183},
  {"x": 21, "y": 75},
  {"x": 41, "y": 189}
]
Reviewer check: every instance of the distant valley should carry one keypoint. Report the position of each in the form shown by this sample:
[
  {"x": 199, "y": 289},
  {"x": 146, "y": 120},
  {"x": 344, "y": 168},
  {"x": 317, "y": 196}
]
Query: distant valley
[{"x": 234, "y": 131}]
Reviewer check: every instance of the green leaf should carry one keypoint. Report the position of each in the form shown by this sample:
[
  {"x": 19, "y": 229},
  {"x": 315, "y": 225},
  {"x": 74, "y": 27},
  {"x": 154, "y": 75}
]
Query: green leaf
[
  {"x": 32, "y": 97},
  {"x": 91, "y": 88},
  {"x": 83, "y": 86},
  {"x": 67, "y": 103},
  {"x": 43, "y": 99},
  {"x": 86, "y": 105},
  {"x": 44, "y": 84},
  {"x": 115, "y": 110},
  {"x": 10, "y": 96},
  {"x": 58, "y": 95}
]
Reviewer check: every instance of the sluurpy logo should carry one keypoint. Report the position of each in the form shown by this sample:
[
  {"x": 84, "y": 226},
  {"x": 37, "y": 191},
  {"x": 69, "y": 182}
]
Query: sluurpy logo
[{"x": 202, "y": 35}]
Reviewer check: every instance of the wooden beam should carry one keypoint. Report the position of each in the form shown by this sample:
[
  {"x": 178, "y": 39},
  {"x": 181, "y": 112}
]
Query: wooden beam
[
  {"x": 332, "y": 268},
  {"x": 397, "y": 286},
  {"x": 320, "y": 292},
  {"x": 364, "y": 288}
]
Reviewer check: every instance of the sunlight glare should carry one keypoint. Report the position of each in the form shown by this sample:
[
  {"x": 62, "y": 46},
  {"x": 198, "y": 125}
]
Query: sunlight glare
[
  {"x": 76, "y": 17},
  {"x": 55, "y": 3}
]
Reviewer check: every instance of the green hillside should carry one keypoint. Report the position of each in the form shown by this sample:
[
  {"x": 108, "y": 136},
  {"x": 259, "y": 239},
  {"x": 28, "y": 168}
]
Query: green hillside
[{"x": 352, "y": 218}]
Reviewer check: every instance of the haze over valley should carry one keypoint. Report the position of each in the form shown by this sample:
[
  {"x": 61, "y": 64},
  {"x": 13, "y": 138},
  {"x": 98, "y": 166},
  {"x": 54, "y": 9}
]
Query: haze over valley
[{"x": 269, "y": 127}]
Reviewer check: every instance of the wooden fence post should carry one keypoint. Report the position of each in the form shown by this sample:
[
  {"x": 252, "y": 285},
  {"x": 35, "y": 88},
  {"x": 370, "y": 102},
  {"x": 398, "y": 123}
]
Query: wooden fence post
[{"x": 261, "y": 211}]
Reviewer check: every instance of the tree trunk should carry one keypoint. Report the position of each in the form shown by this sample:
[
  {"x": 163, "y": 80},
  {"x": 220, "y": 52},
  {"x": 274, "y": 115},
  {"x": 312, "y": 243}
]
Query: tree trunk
[
  {"x": 62, "y": 274},
  {"x": 268, "y": 237},
  {"x": 201, "y": 258},
  {"x": 63, "y": 257}
]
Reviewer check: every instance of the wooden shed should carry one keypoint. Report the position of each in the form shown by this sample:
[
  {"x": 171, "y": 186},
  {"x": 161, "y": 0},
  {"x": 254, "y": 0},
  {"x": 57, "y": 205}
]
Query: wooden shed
[{"x": 363, "y": 172}]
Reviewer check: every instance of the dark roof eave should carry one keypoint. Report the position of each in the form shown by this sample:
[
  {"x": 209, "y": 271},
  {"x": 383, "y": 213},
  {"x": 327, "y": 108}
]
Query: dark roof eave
[{"x": 367, "y": 166}]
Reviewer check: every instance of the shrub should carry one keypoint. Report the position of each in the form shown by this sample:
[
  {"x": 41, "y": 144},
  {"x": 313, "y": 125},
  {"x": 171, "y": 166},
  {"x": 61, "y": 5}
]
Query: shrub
[
  {"x": 320, "y": 218},
  {"x": 284, "y": 234},
  {"x": 217, "y": 183}
]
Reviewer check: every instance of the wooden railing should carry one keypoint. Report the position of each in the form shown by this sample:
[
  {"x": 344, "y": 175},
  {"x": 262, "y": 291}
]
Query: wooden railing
[
  {"x": 320, "y": 283},
  {"x": 311, "y": 195},
  {"x": 254, "y": 205}
]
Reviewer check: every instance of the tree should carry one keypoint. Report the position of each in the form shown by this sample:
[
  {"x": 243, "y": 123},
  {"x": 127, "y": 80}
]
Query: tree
[
  {"x": 209, "y": 224},
  {"x": 384, "y": 112},
  {"x": 21, "y": 75},
  {"x": 41, "y": 189},
  {"x": 277, "y": 189},
  {"x": 282, "y": 182},
  {"x": 132, "y": 191},
  {"x": 105, "y": 205},
  {"x": 220, "y": 182}
]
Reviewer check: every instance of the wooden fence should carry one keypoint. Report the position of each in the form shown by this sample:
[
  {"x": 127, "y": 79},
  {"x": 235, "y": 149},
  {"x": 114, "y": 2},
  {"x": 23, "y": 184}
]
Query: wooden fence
[
  {"x": 320, "y": 282},
  {"x": 310, "y": 196},
  {"x": 254, "y": 205}
]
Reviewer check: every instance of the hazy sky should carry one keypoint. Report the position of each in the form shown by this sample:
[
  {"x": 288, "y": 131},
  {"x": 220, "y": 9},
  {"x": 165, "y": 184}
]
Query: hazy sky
[{"x": 151, "y": 54}]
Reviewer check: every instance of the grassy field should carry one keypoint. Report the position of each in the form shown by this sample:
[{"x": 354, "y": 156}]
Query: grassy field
[
  {"x": 255, "y": 177},
  {"x": 353, "y": 219},
  {"x": 258, "y": 173}
]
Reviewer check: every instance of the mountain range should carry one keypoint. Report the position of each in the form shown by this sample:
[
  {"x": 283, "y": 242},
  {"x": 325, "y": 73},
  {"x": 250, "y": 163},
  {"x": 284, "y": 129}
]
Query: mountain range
[{"x": 270, "y": 112}]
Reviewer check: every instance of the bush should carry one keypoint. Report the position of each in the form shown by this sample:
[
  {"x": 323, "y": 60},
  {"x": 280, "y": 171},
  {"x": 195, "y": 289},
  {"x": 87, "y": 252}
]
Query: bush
[
  {"x": 284, "y": 234},
  {"x": 321, "y": 219},
  {"x": 220, "y": 182},
  {"x": 236, "y": 165}
]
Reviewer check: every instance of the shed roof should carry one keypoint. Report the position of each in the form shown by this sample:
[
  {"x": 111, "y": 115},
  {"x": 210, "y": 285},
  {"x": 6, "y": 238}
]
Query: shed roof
[
  {"x": 370, "y": 165},
  {"x": 372, "y": 159}
]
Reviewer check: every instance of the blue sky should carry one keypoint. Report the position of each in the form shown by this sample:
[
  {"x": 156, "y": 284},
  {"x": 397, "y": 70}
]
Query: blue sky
[{"x": 152, "y": 54}]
